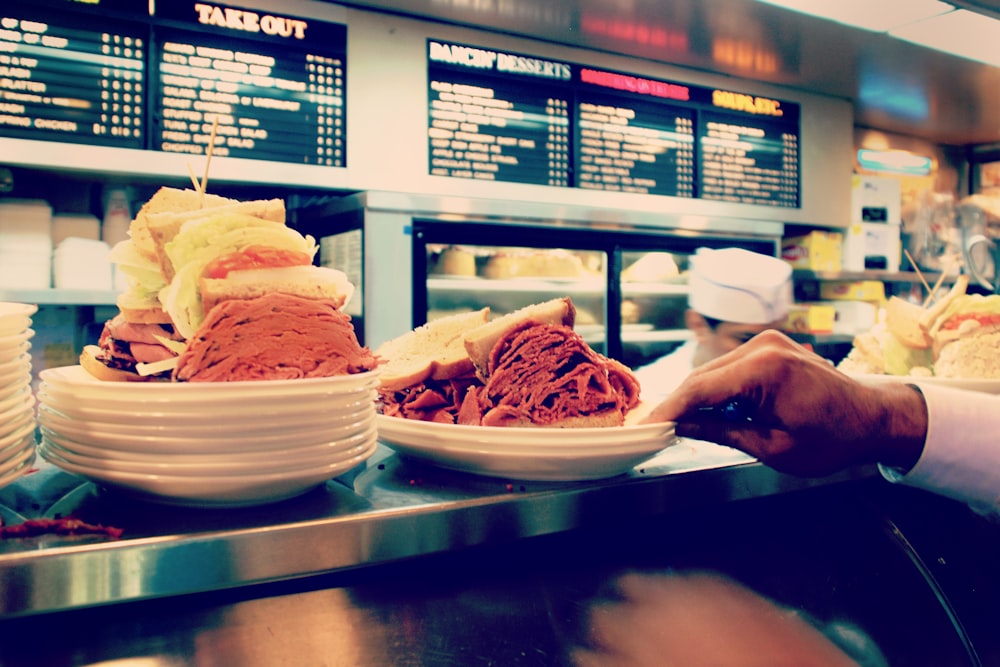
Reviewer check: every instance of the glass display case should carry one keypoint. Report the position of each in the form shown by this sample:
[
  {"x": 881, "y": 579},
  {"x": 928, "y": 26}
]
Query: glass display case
[{"x": 629, "y": 287}]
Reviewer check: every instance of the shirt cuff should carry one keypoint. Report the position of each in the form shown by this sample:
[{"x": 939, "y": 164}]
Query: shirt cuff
[{"x": 961, "y": 455}]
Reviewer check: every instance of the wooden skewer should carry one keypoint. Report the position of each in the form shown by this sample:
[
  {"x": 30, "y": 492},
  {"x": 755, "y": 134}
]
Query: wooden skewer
[
  {"x": 194, "y": 179},
  {"x": 947, "y": 263},
  {"x": 208, "y": 160},
  {"x": 919, "y": 274}
]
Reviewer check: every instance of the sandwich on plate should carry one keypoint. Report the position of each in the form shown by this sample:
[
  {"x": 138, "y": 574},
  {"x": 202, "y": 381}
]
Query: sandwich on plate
[
  {"x": 188, "y": 256},
  {"x": 958, "y": 336},
  {"x": 527, "y": 368}
]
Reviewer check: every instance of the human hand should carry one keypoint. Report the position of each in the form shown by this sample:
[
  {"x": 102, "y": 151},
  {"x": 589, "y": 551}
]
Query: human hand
[
  {"x": 693, "y": 619},
  {"x": 807, "y": 419}
]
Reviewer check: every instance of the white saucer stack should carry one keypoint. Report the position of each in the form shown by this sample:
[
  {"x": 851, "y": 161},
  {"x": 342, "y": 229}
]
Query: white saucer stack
[
  {"x": 17, "y": 403},
  {"x": 207, "y": 444}
]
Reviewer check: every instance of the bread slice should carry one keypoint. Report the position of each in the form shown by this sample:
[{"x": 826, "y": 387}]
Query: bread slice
[
  {"x": 903, "y": 320},
  {"x": 164, "y": 226},
  {"x": 139, "y": 311},
  {"x": 479, "y": 342},
  {"x": 434, "y": 350},
  {"x": 167, "y": 199}
]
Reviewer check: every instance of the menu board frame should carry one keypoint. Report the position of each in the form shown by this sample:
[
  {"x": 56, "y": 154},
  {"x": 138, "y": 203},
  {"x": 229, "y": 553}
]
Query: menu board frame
[
  {"x": 672, "y": 160},
  {"x": 318, "y": 92}
]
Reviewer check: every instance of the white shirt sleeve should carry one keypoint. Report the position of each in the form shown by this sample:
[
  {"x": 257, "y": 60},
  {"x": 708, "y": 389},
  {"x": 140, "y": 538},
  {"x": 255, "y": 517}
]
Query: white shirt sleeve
[{"x": 961, "y": 456}]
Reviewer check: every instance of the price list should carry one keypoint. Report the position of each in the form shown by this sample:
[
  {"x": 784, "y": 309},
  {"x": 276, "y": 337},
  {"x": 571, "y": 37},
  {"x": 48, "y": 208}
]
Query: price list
[
  {"x": 749, "y": 160},
  {"x": 628, "y": 146},
  {"x": 490, "y": 131},
  {"x": 80, "y": 83},
  {"x": 265, "y": 103}
]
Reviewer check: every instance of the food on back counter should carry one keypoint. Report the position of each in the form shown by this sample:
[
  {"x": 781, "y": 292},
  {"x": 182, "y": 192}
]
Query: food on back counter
[
  {"x": 957, "y": 337},
  {"x": 534, "y": 264},
  {"x": 526, "y": 368},
  {"x": 456, "y": 261},
  {"x": 651, "y": 267},
  {"x": 183, "y": 263},
  {"x": 273, "y": 337}
]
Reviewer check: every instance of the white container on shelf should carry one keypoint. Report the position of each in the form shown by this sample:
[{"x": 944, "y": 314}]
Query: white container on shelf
[
  {"x": 25, "y": 244},
  {"x": 76, "y": 225},
  {"x": 81, "y": 264}
]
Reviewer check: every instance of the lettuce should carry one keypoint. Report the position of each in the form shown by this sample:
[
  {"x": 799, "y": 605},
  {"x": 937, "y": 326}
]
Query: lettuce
[
  {"x": 196, "y": 235},
  {"x": 197, "y": 245}
]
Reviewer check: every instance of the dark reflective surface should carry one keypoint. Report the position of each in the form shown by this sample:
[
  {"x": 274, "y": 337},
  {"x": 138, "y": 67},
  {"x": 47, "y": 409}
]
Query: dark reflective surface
[{"x": 915, "y": 575}]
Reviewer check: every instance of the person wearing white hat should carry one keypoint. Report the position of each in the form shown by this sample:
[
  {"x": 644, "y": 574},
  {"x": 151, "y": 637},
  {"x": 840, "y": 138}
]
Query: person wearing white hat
[{"x": 734, "y": 294}]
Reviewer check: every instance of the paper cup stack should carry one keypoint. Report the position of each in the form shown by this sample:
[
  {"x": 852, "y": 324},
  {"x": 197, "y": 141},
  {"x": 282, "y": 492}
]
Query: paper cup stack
[
  {"x": 17, "y": 402},
  {"x": 218, "y": 444}
]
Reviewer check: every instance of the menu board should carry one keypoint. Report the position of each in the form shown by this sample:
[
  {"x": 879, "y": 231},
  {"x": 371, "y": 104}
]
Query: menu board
[
  {"x": 264, "y": 84},
  {"x": 273, "y": 86},
  {"x": 516, "y": 118},
  {"x": 79, "y": 81},
  {"x": 632, "y": 146},
  {"x": 491, "y": 128}
]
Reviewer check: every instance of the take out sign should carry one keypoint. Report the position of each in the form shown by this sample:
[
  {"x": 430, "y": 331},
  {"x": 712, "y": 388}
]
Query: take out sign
[{"x": 243, "y": 20}]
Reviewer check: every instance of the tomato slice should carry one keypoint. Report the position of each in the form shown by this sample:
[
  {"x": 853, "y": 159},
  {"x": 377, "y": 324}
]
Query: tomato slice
[
  {"x": 255, "y": 257},
  {"x": 985, "y": 319}
]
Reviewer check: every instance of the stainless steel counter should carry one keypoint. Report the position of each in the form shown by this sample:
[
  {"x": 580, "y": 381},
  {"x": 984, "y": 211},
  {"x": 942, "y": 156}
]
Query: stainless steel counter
[{"x": 392, "y": 509}]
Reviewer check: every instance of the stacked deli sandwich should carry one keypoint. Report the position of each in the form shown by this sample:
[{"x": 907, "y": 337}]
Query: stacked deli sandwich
[
  {"x": 221, "y": 290},
  {"x": 956, "y": 337},
  {"x": 528, "y": 368}
]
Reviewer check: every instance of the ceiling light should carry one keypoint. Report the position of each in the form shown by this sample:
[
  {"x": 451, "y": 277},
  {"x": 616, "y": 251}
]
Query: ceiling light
[
  {"x": 868, "y": 14},
  {"x": 961, "y": 32}
]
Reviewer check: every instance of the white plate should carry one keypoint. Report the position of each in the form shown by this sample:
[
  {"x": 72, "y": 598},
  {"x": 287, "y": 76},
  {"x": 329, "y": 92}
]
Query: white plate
[
  {"x": 24, "y": 452},
  {"x": 75, "y": 379},
  {"x": 15, "y": 344},
  {"x": 237, "y": 416},
  {"x": 986, "y": 386},
  {"x": 17, "y": 471},
  {"x": 211, "y": 490},
  {"x": 542, "y": 454},
  {"x": 14, "y": 369},
  {"x": 291, "y": 427},
  {"x": 15, "y": 317},
  {"x": 15, "y": 402},
  {"x": 322, "y": 453},
  {"x": 237, "y": 465},
  {"x": 16, "y": 427},
  {"x": 231, "y": 405},
  {"x": 273, "y": 441}
]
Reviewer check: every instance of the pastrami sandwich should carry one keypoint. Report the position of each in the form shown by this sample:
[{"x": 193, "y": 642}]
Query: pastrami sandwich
[
  {"x": 183, "y": 263},
  {"x": 425, "y": 373},
  {"x": 526, "y": 368},
  {"x": 540, "y": 374}
]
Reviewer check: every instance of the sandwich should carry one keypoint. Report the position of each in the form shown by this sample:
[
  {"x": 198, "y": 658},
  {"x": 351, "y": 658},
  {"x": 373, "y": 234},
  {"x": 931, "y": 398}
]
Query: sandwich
[
  {"x": 182, "y": 264},
  {"x": 966, "y": 337},
  {"x": 526, "y": 368},
  {"x": 958, "y": 336},
  {"x": 538, "y": 373}
]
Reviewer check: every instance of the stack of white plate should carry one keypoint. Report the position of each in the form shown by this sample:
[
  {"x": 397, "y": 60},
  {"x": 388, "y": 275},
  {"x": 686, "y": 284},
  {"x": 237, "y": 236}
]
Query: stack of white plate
[
  {"x": 207, "y": 444},
  {"x": 17, "y": 403}
]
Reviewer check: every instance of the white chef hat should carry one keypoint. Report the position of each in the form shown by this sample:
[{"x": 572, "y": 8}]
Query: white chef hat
[{"x": 737, "y": 285}]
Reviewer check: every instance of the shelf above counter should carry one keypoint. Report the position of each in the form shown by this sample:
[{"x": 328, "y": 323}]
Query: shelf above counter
[
  {"x": 591, "y": 285},
  {"x": 60, "y": 297}
]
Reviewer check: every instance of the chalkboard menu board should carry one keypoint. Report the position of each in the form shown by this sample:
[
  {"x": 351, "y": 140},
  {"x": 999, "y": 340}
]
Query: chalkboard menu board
[
  {"x": 268, "y": 85},
  {"x": 275, "y": 84},
  {"x": 509, "y": 117},
  {"x": 77, "y": 79}
]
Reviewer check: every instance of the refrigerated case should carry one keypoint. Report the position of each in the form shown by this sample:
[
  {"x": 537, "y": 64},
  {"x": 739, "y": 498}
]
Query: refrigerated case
[{"x": 429, "y": 257}]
